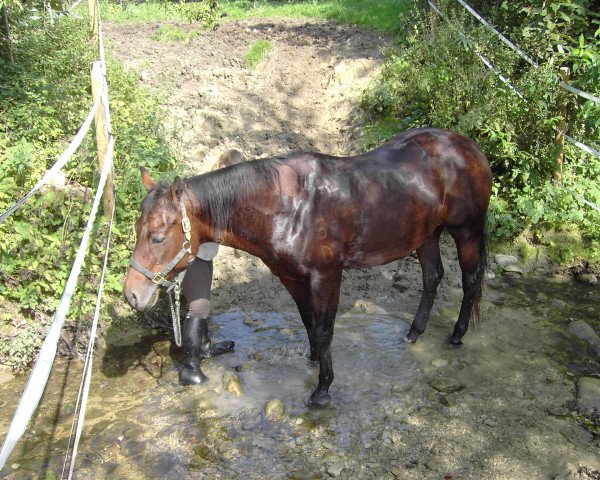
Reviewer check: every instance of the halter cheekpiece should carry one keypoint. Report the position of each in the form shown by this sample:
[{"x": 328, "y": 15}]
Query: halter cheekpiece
[{"x": 160, "y": 278}]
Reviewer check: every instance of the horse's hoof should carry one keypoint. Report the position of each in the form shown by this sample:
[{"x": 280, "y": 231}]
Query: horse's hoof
[
  {"x": 453, "y": 342},
  {"x": 191, "y": 376},
  {"x": 319, "y": 401},
  {"x": 411, "y": 336}
]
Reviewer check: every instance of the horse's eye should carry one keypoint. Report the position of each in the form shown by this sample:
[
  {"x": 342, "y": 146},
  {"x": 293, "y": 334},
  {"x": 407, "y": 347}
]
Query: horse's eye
[{"x": 158, "y": 240}]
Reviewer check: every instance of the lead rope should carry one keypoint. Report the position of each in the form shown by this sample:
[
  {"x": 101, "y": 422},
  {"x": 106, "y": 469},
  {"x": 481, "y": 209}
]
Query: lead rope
[
  {"x": 176, "y": 288},
  {"x": 175, "y": 291}
]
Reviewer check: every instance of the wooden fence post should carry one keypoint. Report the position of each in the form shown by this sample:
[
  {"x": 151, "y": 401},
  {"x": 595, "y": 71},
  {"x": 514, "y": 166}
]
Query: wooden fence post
[
  {"x": 562, "y": 127},
  {"x": 100, "y": 119},
  {"x": 93, "y": 20}
]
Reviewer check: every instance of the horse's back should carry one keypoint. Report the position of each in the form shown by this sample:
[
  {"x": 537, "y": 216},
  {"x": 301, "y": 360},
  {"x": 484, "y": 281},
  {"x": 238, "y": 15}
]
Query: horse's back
[{"x": 379, "y": 206}]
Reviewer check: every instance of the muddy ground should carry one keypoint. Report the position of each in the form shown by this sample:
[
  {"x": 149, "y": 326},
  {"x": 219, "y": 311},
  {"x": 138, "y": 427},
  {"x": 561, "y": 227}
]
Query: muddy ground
[{"x": 503, "y": 406}]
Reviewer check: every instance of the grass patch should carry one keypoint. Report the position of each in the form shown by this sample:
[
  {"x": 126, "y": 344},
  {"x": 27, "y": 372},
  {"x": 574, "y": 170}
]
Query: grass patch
[
  {"x": 204, "y": 12},
  {"x": 173, "y": 34},
  {"x": 379, "y": 14},
  {"x": 257, "y": 52},
  {"x": 382, "y": 15}
]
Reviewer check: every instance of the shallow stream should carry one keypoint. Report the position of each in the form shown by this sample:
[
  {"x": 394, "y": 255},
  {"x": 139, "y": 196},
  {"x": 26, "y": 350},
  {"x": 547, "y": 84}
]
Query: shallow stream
[{"x": 499, "y": 407}]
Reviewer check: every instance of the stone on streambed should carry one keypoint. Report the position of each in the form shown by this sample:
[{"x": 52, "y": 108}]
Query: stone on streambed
[
  {"x": 253, "y": 322},
  {"x": 513, "y": 269},
  {"x": 588, "y": 278},
  {"x": 446, "y": 385},
  {"x": 588, "y": 393},
  {"x": 335, "y": 469},
  {"x": 439, "y": 363},
  {"x": 505, "y": 260},
  {"x": 585, "y": 332},
  {"x": 232, "y": 383},
  {"x": 274, "y": 410}
]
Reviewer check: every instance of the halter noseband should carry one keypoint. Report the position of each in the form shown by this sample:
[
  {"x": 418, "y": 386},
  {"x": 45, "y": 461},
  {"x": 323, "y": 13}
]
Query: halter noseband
[{"x": 160, "y": 278}]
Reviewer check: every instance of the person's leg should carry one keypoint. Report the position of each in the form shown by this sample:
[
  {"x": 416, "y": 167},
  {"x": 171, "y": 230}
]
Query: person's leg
[{"x": 196, "y": 340}]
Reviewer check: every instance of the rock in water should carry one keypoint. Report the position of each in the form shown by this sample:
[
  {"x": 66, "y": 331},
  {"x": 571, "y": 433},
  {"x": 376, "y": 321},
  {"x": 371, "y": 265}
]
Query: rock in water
[
  {"x": 512, "y": 268},
  {"x": 335, "y": 470},
  {"x": 588, "y": 278},
  {"x": 439, "y": 363},
  {"x": 232, "y": 383},
  {"x": 445, "y": 385},
  {"x": 588, "y": 393},
  {"x": 274, "y": 410},
  {"x": 585, "y": 332}
]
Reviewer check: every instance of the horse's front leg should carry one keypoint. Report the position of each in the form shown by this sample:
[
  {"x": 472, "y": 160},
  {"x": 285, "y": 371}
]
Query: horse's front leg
[
  {"x": 300, "y": 292},
  {"x": 325, "y": 294}
]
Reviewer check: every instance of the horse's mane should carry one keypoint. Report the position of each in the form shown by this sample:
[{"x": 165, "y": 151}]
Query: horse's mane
[{"x": 218, "y": 191}]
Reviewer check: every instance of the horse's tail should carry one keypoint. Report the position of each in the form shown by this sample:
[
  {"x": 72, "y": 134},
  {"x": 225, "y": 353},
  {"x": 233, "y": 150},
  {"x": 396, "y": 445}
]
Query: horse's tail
[{"x": 479, "y": 278}]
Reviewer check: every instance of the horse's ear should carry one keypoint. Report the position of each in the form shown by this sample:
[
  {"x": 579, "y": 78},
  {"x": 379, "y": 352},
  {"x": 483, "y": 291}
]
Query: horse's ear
[
  {"x": 177, "y": 189},
  {"x": 147, "y": 181}
]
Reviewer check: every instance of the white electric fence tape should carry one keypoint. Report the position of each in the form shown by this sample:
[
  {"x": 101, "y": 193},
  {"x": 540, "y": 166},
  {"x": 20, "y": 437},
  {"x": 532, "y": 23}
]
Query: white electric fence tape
[
  {"x": 60, "y": 163},
  {"x": 41, "y": 371},
  {"x": 577, "y": 196}
]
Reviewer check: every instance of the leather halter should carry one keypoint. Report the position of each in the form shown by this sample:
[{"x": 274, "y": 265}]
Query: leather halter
[{"x": 160, "y": 278}]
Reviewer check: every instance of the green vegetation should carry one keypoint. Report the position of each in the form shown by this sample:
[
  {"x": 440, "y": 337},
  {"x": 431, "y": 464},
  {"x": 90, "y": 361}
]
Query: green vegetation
[
  {"x": 207, "y": 12},
  {"x": 436, "y": 78},
  {"x": 257, "y": 52},
  {"x": 45, "y": 92},
  {"x": 172, "y": 34},
  {"x": 380, "y": 14}
]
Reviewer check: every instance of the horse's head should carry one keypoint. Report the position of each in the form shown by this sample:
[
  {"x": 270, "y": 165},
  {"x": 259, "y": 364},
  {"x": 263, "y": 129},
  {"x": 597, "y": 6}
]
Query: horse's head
[{"x": 164, "y": 241}]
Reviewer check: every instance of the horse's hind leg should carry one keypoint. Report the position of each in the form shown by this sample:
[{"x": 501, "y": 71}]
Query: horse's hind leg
[
  {"x": 433, "y": 271},
  {"x": 472, "y": 257}
]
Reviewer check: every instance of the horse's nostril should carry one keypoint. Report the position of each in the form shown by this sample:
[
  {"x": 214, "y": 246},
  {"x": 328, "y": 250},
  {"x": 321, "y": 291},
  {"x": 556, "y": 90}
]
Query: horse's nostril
[{"x": 132, "y": 300}]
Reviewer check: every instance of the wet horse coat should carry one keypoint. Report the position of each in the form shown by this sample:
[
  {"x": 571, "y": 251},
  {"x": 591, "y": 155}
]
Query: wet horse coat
[{"x": 310, "y": 216}]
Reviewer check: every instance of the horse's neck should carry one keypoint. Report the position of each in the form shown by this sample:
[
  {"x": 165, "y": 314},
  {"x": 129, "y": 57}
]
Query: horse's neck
[{"x": 238, "y": 213}]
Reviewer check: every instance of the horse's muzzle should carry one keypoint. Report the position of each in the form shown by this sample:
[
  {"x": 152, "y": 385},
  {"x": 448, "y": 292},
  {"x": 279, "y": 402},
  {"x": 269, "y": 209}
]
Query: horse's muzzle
[{"x": 139, "y": 293}]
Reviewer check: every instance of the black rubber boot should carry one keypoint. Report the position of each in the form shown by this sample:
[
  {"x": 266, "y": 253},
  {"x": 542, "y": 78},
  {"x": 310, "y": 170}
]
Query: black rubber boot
[
  {"x": 196, "y": 345},
  {"x": 190, "y": 373},
  {"x": 207, "y": 348}
]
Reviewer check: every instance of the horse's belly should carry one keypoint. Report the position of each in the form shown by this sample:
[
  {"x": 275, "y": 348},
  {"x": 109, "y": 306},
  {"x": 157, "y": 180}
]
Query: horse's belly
[
  {"x": 389, "y": 241},
  {"x": 374, "y": 259}
]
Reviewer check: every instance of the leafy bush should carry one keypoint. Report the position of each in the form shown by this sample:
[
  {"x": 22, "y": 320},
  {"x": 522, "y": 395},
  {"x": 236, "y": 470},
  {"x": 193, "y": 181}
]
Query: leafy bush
[
  {"x": 45, "y": 96},
  {"x": 438, "y": 79}
]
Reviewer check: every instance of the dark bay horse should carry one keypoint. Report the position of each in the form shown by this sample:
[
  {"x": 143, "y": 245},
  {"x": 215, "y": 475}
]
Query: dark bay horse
[{"x": 309, "y": 216}]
